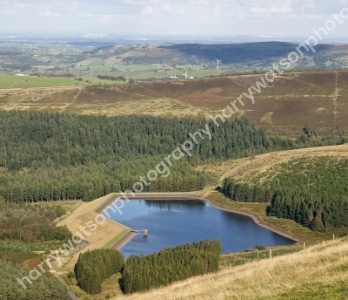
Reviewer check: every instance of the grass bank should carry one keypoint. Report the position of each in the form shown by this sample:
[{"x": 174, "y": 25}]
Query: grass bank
[
  {"x": 116, "y": 238},
  {"x": 318, "y": 272},
  {"x": 283, "y": 225},
  {"x": 97, "y": 239}
]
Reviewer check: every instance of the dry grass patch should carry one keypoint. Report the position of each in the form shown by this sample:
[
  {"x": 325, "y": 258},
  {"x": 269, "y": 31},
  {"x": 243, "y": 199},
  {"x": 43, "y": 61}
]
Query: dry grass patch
[
  {"x": 245, "y": 168},
  {"x": 97, "y": 239},
  {"x": 110, "y": 288},
  {"x": 266, "y": 279}
]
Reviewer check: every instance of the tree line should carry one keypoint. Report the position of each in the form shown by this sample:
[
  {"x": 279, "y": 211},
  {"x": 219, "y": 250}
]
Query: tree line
[
  {"x": 29, "y": 223},
  {"x": 42, "y": 289},
  {"x": 245, "y": 192},
  {"x": 54, "y": 156},
  {"x": 31, "y": 138},
  {"x": 88, "y": 182},
  {"x": 142, "y": 273},
  {"x": 310, "y": 191},
  {"x": 112, "y": 78},
  {"x": 60, "y": 156},
  {"x": 93, "y": 267}
]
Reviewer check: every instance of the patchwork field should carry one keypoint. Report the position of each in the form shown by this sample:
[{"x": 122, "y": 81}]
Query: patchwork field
[
  {"x": 27, "y": 82},
  {"x": 316, "y": 100}
]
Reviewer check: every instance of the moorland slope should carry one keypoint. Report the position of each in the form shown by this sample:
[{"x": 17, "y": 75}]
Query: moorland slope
[{"x": 315, "y": 100}]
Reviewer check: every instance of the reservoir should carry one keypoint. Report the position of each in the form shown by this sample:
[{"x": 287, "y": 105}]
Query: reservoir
[{"x": 172, "y": 223}]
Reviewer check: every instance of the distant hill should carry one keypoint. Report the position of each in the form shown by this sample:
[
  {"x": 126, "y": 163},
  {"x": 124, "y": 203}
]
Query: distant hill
[
  {"x": 86, "y": 61},
  {"x": 236, "y": 56},
  {"x": 241, "y": 53}
]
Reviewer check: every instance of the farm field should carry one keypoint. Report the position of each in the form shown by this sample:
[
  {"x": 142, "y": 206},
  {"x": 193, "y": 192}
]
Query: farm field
[
  {"x": 11, "y": 82},
  {"x": 24, "y": 82},
  {"x": 146, "y": 62}
]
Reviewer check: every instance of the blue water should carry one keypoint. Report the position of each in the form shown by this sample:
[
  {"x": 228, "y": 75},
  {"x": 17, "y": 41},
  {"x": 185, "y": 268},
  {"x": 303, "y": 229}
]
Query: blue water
[{"x": 172, "y": 223}]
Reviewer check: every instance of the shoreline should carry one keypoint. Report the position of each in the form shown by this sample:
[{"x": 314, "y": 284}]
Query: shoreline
[
  {"x": 256, "y": 220},
  {"x": 123, "y": 240},
  {"x": 187, "y": 197}
]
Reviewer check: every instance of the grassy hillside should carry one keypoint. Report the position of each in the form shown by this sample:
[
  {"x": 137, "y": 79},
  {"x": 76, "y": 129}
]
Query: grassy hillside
[
  {"x": 301, "y": 190},
  {"x": 315, "y": 100},
  {"x": 244, "y": 169},
  {"x": 318, "y": 272}
]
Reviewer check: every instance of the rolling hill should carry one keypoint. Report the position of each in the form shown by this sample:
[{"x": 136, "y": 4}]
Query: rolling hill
[
  {"x": 318, "y": 272},
  {"x": 244, "y": 169},
  {"x": 315, "y": 100}
]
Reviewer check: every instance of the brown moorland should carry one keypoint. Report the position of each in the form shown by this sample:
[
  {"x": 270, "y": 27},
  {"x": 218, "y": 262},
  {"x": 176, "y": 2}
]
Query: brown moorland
[{"x": 317, "y": 100}]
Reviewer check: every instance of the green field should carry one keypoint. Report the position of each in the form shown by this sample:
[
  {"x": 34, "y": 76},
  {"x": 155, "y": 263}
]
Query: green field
[
  {"x": 14, "y": 82},
  {"x": 11, "y": 82}
]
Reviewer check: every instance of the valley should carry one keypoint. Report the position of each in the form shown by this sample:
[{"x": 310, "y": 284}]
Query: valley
[{"x": 77, "y": 134}]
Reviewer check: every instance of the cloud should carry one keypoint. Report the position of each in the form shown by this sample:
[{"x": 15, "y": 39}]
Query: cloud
[
  {"x": 46, "y": 13},
  {"x": 148, "y": 10},
  {"x": 284, "y": 8},
  {"x": 167, "y": 9},
  {"x": 137, "y": 2},
  {"x": 198, "y": 17},
  {"x": 308, "y": 4},
  {"x": 198, "y": 3},
  {"x": 10, "y": 12}
]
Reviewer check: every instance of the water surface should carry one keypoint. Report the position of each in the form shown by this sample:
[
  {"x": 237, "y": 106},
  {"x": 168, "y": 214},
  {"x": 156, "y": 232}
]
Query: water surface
[{"x": 172, "y": 223}]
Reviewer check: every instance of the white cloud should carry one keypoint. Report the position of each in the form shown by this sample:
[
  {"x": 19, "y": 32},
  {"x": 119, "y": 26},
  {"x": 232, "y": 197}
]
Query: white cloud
[
  {"x": 198, "y": 3},
  {"x": 308, "y": 4},
  {"x": 148, "y": 10},
  {"x": 46, "y": 13},
  {"x": 285, "y": 8},
  {"x": 136, "y": 2},
  {"x": 174, "y": 16},
  {"x": 105, "y": 19},
  {"x": 314, "y": 17}
]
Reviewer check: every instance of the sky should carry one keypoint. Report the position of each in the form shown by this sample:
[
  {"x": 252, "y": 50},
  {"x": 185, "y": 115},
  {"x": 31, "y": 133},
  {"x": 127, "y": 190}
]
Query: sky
[{"x": 203, "y": 18}]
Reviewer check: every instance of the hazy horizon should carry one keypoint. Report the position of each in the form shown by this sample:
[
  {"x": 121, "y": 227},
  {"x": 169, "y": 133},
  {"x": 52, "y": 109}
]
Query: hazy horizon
[{"x": 220, "y": 19}]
